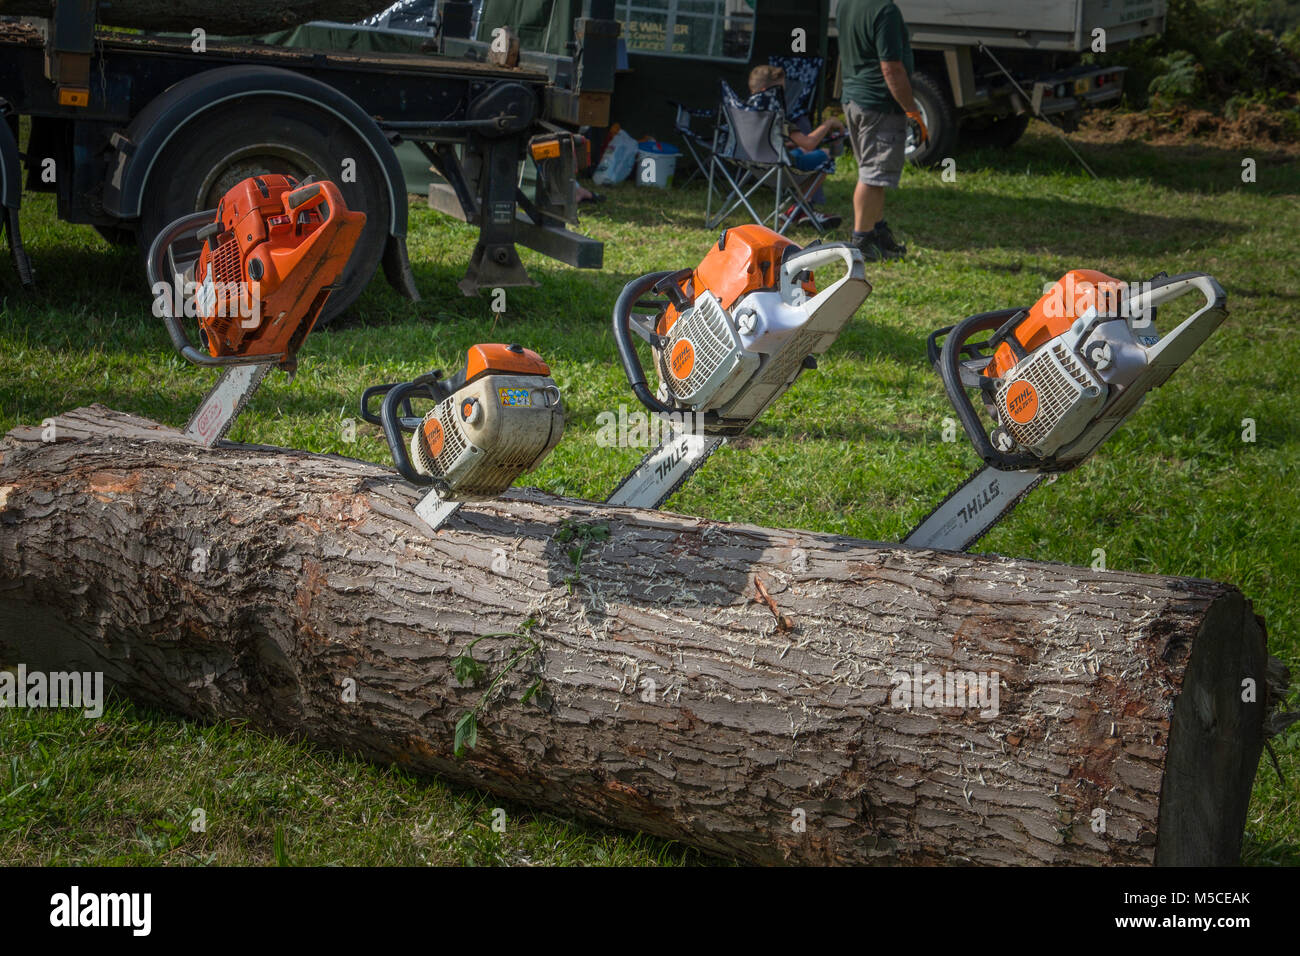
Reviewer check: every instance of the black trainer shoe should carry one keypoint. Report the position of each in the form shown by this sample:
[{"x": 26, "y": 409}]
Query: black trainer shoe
[
  {"x": 879, "y": 245},
  {"x": 885, "y": 239},
  {"x": 825, "y": 220}
]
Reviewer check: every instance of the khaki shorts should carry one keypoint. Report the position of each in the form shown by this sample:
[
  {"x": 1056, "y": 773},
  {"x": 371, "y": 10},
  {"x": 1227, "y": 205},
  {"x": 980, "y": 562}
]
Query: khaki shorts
[{"x": 879, "y": 144}]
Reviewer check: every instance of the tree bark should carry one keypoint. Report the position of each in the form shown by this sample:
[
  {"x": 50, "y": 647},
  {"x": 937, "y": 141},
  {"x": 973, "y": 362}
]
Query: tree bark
[
  {"x": 230, "y": 17},
  {"x": 263, "y": 583}
]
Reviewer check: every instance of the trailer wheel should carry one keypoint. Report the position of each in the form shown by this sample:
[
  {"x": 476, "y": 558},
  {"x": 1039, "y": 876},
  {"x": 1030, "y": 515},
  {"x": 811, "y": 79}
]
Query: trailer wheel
[
  {"x": 1000, "y": 132},
  {"x": 940, "y": 120},
  {"x": 251, "y": 137}
]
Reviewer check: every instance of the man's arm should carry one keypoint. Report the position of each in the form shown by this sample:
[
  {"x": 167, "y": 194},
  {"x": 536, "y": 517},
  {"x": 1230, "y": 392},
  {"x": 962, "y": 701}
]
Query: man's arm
[{"x": 900, "y": 86}]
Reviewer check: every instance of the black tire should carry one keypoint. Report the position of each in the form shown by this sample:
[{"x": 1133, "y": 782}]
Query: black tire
[
  {"x": 264, "y": 134},
  {"x": 1001, "y": 132},
  {"x": 940, "y": 120}
]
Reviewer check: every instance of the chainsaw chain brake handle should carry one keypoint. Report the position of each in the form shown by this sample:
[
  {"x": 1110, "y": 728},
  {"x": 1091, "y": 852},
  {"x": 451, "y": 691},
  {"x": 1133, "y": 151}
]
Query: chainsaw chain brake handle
[
  {"x": 162, "y": 268},
  {"x": 373, "y": 416},
  {"x": 397, "y": 418},
  {"x": 960, "y": 362},
  {"x": 632, "y": 296}
]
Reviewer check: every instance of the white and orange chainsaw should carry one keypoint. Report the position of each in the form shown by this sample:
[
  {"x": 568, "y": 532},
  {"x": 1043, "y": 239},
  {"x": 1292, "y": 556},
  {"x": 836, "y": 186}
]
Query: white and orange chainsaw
[
  {"x": 727, "y": 338},
  {"x": 1056, "y": 380},
  {"x": 493, "y": 421}
]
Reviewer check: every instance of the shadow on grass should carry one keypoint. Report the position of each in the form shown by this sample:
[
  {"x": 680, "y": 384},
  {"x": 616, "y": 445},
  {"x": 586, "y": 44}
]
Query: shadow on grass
[{"x": 964, "y": 220}]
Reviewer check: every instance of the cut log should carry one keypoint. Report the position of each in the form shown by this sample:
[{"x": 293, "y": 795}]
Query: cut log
[
  {"x": 230, "y": 17},
  {"x": 737, "y": 688}
]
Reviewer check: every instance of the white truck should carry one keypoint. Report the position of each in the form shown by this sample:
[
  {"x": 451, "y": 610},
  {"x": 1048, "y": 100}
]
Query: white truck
[{"x": 984, "y": 69}]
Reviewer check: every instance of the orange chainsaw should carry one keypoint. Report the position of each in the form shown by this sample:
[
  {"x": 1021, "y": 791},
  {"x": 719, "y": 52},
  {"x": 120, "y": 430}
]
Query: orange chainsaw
[
  {"x": 493, "y": 421},
  {"x": 727, "y": 339},
  {"x": 256, "y": 273},
  {"x": 1056, "y": 380}
]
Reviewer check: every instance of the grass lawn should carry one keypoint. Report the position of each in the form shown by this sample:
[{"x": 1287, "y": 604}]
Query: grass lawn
[{"x": 855, "y": 448}]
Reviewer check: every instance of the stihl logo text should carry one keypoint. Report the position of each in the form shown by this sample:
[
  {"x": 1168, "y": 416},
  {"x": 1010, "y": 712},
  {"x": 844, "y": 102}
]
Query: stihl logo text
[
  {"x": 981, "y": 501},
  {"x": 1022, "y": 402},
  {"x": 673, "y": 460},
  {"x": 683, "y": 358}
]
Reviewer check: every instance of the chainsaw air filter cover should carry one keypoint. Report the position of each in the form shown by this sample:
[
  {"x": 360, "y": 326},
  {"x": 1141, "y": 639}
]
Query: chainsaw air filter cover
[
  {"x": 499, "y": 424},
  {"x": 1048, "y": 399},
  {"x": 703, "y": 364}
]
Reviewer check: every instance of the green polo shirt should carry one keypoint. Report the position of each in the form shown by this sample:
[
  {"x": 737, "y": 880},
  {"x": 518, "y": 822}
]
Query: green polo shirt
[{"x": 871, "y": 31}]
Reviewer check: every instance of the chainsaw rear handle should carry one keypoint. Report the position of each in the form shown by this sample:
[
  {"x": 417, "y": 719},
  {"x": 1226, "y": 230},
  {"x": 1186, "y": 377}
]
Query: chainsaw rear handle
[
  {"x": 1177, "y": 345},
  {"x": 627, "y": 299},
  {"x": 815, "y": 257},
  {"x": 396, "y": 398},
  {"x": 160, "y": 268}
]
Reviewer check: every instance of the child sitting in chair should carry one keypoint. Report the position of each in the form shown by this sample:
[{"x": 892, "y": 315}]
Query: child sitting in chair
[{"x": 803, "y": 147}]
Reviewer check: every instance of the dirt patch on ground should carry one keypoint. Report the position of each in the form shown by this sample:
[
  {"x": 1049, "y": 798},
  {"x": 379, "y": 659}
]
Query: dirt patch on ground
[{"x": 1253, "y": 127}]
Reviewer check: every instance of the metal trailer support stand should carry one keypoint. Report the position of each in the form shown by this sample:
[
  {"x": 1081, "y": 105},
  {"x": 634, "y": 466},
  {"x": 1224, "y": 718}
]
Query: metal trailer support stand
[{"x": 11, "y": 196}]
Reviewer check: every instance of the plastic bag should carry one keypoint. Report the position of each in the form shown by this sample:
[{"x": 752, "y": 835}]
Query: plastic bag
[{"x": 617, "y": 161}]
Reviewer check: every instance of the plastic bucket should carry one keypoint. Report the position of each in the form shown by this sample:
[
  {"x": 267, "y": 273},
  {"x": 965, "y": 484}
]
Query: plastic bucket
[{"x": 655, "y": 168}]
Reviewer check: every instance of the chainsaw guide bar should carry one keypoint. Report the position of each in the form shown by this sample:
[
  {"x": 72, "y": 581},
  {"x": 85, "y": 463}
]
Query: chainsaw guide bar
[
  {"x": 973, "y": 509},
  {"x": 224, "y": 401},
  {"x": 662, "y": 471}
]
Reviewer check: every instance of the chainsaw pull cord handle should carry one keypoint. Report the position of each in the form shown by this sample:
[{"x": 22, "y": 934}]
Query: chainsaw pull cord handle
[
  {"x": 627, "y": 299},
  {"x": 950, "y": 358}
]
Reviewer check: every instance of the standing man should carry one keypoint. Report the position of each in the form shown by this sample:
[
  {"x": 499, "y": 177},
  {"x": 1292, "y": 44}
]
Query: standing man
[{"x": 876, "y": 58}]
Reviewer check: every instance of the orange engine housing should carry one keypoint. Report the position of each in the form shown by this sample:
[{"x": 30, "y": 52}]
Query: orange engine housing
[
  {"x": 1070, "y": 297},
  {"x": 269, "y": 263},
  {"x": 744, "y": 259}
]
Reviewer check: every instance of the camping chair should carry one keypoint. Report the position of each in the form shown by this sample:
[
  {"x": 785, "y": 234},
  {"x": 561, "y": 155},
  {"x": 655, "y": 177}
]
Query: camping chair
[
  {"x": 801, "y": 77},
  {"x": 801, "y": 73},
  {"x": 749, "y": 153}
]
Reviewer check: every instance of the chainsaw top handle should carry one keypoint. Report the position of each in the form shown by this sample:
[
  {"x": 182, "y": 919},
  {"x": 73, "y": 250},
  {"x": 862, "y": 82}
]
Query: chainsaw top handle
[{"x": 628, "y": 299}]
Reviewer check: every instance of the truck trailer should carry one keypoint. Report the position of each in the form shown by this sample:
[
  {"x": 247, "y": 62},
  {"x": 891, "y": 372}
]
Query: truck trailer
[
  {"x": 983, "y": 70},
  {"x": 132, "y": 130}
]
